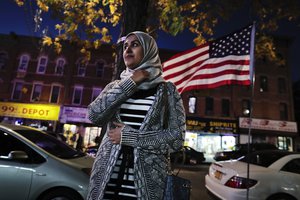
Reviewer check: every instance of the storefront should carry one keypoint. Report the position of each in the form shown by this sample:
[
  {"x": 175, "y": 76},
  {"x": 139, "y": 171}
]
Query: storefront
[
  {"x": 280, "y": 133},
  {"x": 210, "y": 135},
  {"x": 71, "y": 119},
  {"x": 42, "y": 116}
]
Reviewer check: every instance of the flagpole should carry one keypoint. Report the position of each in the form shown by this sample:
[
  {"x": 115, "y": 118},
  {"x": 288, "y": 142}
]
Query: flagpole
[{"x": 252, "y": 79}]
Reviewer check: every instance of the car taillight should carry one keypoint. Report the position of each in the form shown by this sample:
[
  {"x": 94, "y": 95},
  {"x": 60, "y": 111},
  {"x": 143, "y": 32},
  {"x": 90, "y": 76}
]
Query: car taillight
[{"x": 240, "y": 182}]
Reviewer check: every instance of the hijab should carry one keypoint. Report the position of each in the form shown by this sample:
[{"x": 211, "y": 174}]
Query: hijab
[{"x": 150, "y": 62}]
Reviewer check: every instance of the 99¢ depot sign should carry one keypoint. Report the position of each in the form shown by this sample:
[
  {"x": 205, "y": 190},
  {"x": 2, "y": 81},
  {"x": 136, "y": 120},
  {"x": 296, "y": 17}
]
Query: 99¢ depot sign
[{"x": 31, "y": 111}]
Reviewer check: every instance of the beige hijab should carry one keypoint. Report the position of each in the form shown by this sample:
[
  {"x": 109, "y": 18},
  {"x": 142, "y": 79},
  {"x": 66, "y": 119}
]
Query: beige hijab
[{"x": 151, "y": 61}]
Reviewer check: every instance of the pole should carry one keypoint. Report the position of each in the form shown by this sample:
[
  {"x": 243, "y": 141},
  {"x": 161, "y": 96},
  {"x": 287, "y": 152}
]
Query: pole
[{"x": 252, "y": 78}]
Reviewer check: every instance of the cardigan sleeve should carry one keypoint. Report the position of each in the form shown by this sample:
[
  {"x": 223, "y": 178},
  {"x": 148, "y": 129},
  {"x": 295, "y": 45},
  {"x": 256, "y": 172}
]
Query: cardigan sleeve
[
  {"x": 102, "y": 109},
  {"x": 170, "y": 138}
]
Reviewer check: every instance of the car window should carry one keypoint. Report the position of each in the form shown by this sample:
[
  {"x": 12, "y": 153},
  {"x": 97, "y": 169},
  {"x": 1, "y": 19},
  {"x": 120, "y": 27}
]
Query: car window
[
  {"x": 51, "y": 144},
  {"x": 9, "y": 143},
  {"x": 292, "y": 166},
  {"x": 264, "y": 159}
]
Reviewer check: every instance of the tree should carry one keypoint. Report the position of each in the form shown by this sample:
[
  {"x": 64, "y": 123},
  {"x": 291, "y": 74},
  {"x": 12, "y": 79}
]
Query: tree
[{"x": 87, "y": 22}]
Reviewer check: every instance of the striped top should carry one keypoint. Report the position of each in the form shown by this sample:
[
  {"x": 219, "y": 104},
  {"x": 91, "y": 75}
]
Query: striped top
[{"x": 134, "y": 110}]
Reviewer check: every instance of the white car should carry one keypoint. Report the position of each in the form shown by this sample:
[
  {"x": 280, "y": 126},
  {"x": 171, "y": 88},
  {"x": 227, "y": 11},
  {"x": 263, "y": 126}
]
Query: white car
[
  {"x": 37, "y": 166},
  {"x": 273, "y": 175}
]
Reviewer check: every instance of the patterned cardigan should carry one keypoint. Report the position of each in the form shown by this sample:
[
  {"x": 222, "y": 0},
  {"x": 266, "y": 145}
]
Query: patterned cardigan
[{"x": 151, "y": 142}]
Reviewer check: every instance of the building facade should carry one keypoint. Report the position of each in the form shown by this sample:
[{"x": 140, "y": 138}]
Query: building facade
[{"x": 52, "y": 91}]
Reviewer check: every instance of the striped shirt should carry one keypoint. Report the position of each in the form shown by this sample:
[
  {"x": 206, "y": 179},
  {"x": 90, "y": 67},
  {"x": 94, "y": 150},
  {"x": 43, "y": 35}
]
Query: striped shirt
[{"x": 132, "y": 113}]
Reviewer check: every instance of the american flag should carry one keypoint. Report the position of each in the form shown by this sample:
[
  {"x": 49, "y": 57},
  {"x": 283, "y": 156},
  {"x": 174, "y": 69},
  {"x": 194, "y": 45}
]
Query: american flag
[{"x": 223, "y": 61}]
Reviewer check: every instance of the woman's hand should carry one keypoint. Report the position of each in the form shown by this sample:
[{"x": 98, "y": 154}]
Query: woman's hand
[
  {"x": 115, "y": 133},
  {"x": 139, "y": 76}
]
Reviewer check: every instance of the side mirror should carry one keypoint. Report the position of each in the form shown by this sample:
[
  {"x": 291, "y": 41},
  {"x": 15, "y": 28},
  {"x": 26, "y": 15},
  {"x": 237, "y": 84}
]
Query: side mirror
[{"x": 18, "y": 155}]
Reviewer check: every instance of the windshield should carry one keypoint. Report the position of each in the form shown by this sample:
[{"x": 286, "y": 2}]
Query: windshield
[
  {"x": 264, "y": 158},
  {"x": 51, "y": 144}
]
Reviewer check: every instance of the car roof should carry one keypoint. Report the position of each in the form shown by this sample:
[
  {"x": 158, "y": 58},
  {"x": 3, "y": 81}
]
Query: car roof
[{"x": 16, "y": 127}]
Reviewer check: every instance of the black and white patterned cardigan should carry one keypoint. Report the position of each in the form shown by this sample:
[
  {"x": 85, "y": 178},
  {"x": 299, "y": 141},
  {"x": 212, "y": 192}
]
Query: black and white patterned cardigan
[{"x": 151, "y": 142}]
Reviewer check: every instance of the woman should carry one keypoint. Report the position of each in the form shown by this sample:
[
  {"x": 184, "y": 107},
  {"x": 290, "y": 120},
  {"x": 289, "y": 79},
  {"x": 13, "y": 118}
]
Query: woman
[{"x": 146, "y": 120}]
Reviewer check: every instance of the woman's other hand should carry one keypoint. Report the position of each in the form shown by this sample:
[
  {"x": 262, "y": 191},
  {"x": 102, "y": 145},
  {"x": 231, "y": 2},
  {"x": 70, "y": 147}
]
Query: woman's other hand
[{"x": 115, "y": 133}]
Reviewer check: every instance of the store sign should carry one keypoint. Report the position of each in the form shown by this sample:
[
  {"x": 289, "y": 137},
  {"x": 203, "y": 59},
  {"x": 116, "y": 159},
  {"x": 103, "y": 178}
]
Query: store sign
[
  {"x": 74, "y": 114},
  {"x": 211, "y": 125},
  {"x": 270, "y": 125},
  {"x": 31, "y": 111}
]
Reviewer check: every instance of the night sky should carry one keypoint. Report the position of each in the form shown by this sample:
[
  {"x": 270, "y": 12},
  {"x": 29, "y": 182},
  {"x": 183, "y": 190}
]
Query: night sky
[{"x": 19, "y": 20}]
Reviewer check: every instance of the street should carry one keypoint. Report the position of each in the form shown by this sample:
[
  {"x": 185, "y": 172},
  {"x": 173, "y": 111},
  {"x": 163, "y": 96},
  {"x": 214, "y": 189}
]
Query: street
[{"x": 196, "y": 174}]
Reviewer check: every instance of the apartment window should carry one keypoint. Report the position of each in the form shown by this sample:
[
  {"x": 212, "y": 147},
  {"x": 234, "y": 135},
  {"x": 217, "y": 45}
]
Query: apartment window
[
  {"x": 3, "y": 60},
  {"x": 17, "y": 92},
  {"x": 263, "y": 84},
  {"x": 209, "y": 106},
  {"x": 81, "y": 68},
  {"x": 246, "y": 107},
  {"x": 77, "y": 95},
  {"x": 192, "y": 104},
  {"x": 96, "y": 92},
  {"x": 42, "y": 64},
  {"x": 283, "y": 111},
  {"x": 24, "y": 60},
  {"x": 59, "y": 68},
  {"x": 100, "y": 68},
  {"x": 55, "y": 90},
  {"x": 281, "y": 85},
  {"x": 225, "y": 107},
  {"x": 36, "y": 92}
]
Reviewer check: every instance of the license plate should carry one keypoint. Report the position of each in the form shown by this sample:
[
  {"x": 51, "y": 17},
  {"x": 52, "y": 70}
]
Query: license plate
[
  {"x": 218, "y": 175},
  {"x": 193, "y": 161}
]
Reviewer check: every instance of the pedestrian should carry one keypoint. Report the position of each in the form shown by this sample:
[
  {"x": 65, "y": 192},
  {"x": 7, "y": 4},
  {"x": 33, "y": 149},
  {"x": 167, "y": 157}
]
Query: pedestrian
[
  {"x": 145, "y": 119},
  {"x": 79, "y": 141}
]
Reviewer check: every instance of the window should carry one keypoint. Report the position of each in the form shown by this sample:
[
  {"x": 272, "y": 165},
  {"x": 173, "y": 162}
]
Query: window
[
  {"x": 96, "y": 92},
  {"x": 263, "y": 84},
  {"x": 209, "y": 106},
  {"x": 292, "y": 166},
  {"x": 225, "y": 107},
  {"x": 281, "y": 85},
  {"x": 77, "y": 95},
  {"x": 17, "y": 92},
  {"x": 283, "y": 111},
  {"x": 36, "y": 92},
  {"x": 246, "y": 107},
  {"x": 55, "y": 90},
  {"x": 24, "y": 60},
  {"x": 42, "y": 64},
  {"x": 99, "y": 69},
  {"x": 3, "y": 60},
  {"x": 81, "y": 68},
  {"x": 59, "y": 69},
  {"x": 192, "y": 104}
]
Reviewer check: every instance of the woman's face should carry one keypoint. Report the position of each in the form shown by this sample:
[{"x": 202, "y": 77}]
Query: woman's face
[{"x": 133, "y": 52}]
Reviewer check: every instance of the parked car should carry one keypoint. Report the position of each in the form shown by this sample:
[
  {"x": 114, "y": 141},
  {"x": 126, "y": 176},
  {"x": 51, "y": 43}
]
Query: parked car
[
  {"x": 35, "y": 165},
  {"x": 240, "y": 150},
  {"x": 187, "y": 155},
  {"x": 273, "y": 175}
]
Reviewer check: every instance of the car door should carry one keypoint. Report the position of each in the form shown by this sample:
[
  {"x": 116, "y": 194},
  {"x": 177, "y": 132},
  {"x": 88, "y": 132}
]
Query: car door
[{"x": 16, "y": 175}]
